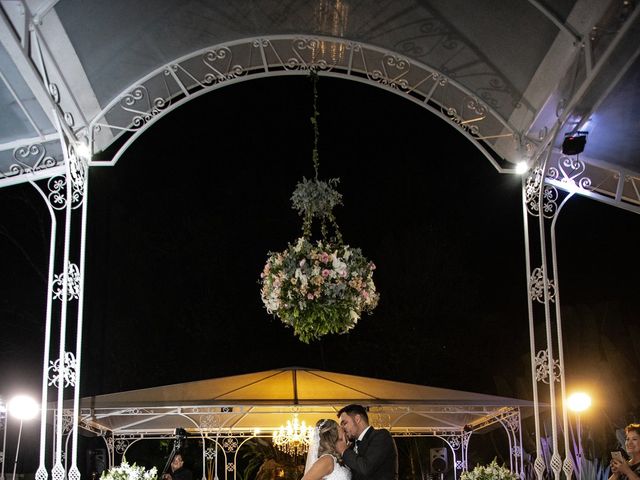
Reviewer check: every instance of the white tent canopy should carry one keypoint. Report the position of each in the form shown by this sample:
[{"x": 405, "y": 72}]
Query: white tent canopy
[
  {"x": 264, "y": 400},
  {"x": 228, "y": 411}
]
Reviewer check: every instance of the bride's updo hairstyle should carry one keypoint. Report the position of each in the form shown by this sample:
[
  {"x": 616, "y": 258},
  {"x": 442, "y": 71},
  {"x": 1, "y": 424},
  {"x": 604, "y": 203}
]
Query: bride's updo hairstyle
[{"x": 328, "y": 432}]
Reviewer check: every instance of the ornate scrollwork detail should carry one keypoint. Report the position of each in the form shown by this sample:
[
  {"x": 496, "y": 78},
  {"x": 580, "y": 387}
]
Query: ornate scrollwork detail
[
  {"x": 543, "y": 372},
  {"x": 139, "y": 103},
  {"x": 67, "y": 420},
  {"x": 57, "y": 187},
  {"x": 230, "y": 444},
  {"x": 78, "y": 171},
  {"x": 454, "y": 441},
  {"x": 461, "y": 465},
  {"x": 320, "y": 52},
  {"x": 68, "y": 118},
  {"x": 73, "y": 283},
  {"x": 438, "y": 78},
  {"x": 513, "y": 423},
  {"x": 457, "y": 119},
  {"x": 261, "y": 42},
  {"x": 477, "y": 106},
  {"x": 570, "y": 170},
  {"x": 57, "y": 194},
  {"x": 231, "y": 466},
  {"x": 65, "y": 372},
  {"x": 226, "y": 72},
  {"x": 536, "y": 287},
  {"x": 54, "y": 92},
  {"x": 532, "y": 195},
  {"x": 398, "y": 65},
  {"x": 29, "y": 159},
  {"x": 121, "y": 445},
  {"x": 516, "y": 452},
  {"x": 210, "y": 453},
  {"x": 532, "y": 189},
  {"x": 210, "y": 421},
  {"x": 306, "y": 43}
]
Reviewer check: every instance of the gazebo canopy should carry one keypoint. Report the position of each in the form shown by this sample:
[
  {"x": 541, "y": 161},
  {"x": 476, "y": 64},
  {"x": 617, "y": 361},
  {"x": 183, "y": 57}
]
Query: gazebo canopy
[
  {"x": 266, "y": 400},
  {"x": 514, "y": 76}
]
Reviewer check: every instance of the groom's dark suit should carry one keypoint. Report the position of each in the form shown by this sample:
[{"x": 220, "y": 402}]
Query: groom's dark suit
[{"x": 377, "y": 457}]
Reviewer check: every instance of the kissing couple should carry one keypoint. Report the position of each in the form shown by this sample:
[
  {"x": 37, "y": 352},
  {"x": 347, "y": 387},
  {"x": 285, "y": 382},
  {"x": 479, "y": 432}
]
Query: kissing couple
[{"x": 351, "y": 450}]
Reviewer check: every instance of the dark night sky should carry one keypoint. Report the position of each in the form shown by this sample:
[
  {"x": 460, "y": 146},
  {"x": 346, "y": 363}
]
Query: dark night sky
[{"x": 180, "y": 228}]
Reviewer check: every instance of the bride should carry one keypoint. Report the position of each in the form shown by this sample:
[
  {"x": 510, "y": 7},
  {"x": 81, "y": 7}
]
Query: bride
[{"x": 323, "y": 459}]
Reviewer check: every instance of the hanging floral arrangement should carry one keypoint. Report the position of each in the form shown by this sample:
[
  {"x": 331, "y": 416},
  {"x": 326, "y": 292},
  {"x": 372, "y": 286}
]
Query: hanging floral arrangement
[{"x": 318, "y": 286}]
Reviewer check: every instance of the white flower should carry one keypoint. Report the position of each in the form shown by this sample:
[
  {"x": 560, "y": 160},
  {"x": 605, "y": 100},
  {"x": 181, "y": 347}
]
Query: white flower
[
  {"x": 339, "y": 266},
  {"x": 301, "y": 276}
]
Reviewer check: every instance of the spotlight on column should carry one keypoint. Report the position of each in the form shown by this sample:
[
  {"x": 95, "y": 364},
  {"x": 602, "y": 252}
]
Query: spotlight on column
[
  {"x": 438, "y": 457},
  {"x": 574, "y": 142},
  {"x": 522, "y": 168}
]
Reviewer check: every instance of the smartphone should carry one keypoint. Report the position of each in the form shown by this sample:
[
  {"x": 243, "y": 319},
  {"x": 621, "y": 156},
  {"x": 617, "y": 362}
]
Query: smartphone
[{"x": 617, "y": 456}]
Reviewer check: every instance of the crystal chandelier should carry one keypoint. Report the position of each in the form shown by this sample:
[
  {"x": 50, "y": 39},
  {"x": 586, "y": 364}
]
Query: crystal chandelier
[{"x": 294, "y": 438}]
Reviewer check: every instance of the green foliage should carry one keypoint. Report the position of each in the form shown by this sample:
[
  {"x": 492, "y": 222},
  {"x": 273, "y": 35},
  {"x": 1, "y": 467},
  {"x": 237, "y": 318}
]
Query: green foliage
[
  {"x": 493, "y": 471},
  {"x": 125, "y": 471},
  {"x": 316, "y": 199},
  {"x": 318, "y": 288},
  {"x": 324, "y": 287}
]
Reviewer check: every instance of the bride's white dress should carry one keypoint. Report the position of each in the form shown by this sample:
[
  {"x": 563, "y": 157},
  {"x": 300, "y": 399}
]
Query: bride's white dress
[{"x": 340, "y": 472}]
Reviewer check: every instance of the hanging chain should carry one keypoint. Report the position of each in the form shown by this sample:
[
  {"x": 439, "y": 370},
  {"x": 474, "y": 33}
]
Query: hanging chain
[
  {"x": 317, "y": 198},
  {"x": 314, "y": 122}
]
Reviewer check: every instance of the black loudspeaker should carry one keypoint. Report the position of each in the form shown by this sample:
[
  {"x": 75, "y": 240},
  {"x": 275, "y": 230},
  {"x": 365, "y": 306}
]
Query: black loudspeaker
[
  {"x": 438, "y": 460},
  {"x": 574, "y": 143},
  {"x": 97, "y": 462}
]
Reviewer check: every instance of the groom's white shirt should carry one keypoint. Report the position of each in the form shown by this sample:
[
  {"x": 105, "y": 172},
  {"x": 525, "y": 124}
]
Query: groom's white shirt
[{"x": 359, "y": 439}]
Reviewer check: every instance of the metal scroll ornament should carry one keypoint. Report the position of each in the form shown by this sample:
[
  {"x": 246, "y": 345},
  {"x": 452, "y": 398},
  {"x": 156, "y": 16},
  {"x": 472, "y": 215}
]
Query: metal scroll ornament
[{"x": 323, "y": 286}]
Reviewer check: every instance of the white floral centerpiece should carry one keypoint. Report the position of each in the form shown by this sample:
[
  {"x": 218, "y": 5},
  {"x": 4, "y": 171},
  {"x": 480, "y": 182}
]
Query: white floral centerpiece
[
  {"x": 493, "y": 471},
  {"x": 124, "y": 471},
  {"x": 324, "y": 286}
]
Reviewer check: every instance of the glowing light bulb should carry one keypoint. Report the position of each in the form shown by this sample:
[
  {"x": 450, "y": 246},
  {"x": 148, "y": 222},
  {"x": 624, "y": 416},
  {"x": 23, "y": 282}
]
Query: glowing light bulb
[
  {"x": 579, "y": 402},
  {"x": 522, "y": 167}
]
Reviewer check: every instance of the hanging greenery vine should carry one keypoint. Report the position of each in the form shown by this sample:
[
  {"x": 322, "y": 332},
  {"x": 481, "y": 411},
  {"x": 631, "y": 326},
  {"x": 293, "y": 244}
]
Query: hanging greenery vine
[{"x": 323, "y": 286}]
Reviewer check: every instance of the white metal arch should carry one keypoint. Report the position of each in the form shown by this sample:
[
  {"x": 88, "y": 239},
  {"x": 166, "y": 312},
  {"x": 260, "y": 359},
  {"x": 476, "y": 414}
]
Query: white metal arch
[{"x": 142, "y": 104}]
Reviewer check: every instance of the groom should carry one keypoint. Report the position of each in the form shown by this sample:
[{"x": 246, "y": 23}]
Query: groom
[{"x": 373, "y": 455}]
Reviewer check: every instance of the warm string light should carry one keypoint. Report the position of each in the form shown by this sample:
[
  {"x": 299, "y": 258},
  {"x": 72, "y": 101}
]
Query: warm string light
[{"x": 294, "y": 438}]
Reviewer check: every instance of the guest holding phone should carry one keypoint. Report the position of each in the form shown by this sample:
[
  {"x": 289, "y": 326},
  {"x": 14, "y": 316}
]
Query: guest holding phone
[{"x": 621, "y": 469}]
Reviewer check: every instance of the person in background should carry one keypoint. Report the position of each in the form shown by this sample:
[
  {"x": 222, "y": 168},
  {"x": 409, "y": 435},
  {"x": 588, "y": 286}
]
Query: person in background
[
  {"x": 628, "y": 470},
  {"x": 178, "y": 471}
]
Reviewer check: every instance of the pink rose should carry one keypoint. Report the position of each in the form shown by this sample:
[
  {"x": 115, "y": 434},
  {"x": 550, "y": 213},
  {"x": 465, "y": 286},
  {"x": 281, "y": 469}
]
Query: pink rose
[
  {"x": 325, "y": 272},
  {"x": 310, "y": 296},
  {"x": 324, "y": 257}
]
